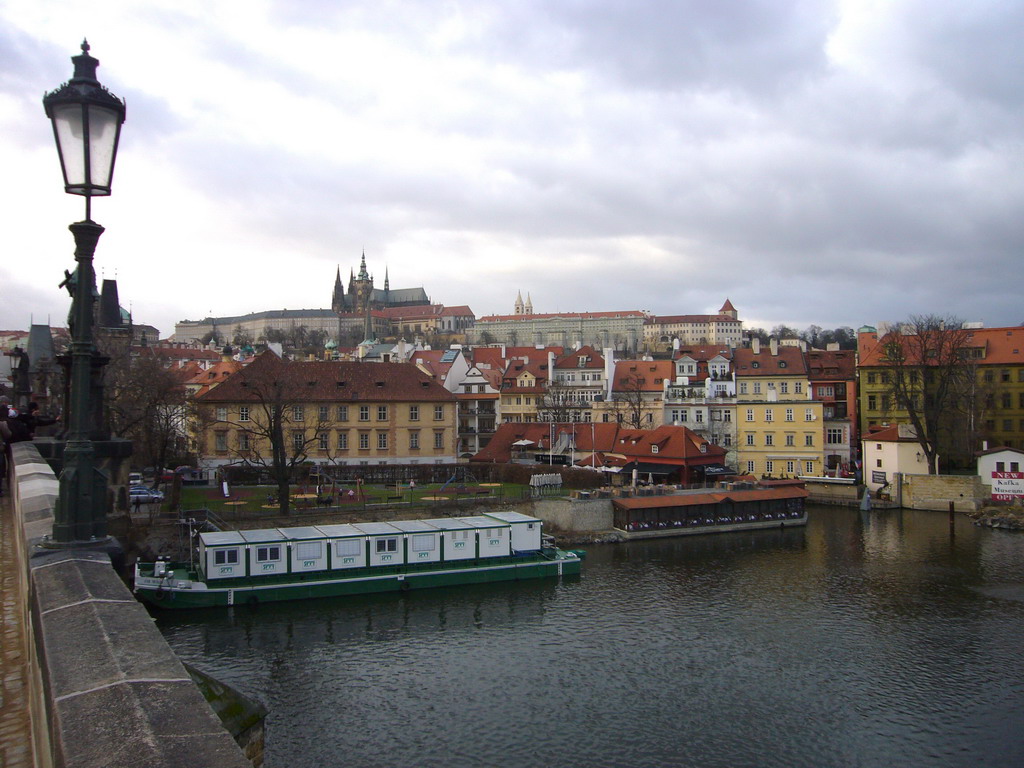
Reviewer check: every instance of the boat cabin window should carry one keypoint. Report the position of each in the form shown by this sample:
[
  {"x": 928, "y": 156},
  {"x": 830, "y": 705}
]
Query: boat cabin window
[
  {"x": 268, "y": 554},
  {"x": 529, "y": 526},
  {"x": 309, "y": 550},
  {"x": 387, "y": 545},
  {"x": 348, "y": 548},
  {"x": 225, "y": 557},
  {"x": 423, "y": 542}
]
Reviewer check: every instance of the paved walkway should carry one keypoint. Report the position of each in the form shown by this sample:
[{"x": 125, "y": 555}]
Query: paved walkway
[{"x": 15, "y": 726}]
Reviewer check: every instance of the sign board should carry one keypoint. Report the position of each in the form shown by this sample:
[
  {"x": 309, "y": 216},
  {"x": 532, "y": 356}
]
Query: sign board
[
  {"x": 878, "y": 477},
  {"x": 1007, "y": 486}
]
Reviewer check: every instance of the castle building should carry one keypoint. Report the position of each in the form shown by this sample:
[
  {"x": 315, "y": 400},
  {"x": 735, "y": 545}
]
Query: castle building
[{"x": 357, "y": 312}]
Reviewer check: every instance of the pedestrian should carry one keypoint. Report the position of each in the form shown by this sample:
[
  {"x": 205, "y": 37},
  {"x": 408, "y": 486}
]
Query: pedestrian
[
  {"x": 5, "y": 439},
  {"x": 34, "y": 419}
]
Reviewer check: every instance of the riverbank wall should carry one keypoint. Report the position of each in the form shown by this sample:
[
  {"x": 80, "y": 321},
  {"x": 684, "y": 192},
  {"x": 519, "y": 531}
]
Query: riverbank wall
[{"x": 106, "y": 690}]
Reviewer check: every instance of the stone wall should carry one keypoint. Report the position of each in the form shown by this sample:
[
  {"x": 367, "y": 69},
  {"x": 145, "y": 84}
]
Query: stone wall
[
  {"x": 842, "y": 494},
  {"x": 936, "y": 491},
  {"x": 575, "y": 515},
  {"x": 112, "y": 691}
]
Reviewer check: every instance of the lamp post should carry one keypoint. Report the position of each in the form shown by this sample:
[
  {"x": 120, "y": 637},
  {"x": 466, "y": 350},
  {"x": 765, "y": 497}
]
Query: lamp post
[{"x": 87, "y": 122}]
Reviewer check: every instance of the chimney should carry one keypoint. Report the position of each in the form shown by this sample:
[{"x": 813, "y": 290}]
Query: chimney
[
  {"x": 774, "y": 344},
  {"x": 755, "y": 345}
]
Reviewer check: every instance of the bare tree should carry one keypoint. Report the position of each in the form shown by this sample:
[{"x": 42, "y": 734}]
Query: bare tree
[
  {"x": 628, "y": 401},
  {"x": 278, "y": 428},
  {"x": 930, "y": 378}
]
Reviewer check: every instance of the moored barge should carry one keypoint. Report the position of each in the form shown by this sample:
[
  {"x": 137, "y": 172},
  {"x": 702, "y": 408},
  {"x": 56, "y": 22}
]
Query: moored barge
[
  {"x": 717, "y": 511},
  {"x": 268, "y": 565}
]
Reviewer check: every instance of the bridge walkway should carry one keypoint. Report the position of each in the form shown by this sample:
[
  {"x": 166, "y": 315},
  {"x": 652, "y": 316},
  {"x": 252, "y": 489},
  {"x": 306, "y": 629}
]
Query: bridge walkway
[{"x": 16, "y": 749}]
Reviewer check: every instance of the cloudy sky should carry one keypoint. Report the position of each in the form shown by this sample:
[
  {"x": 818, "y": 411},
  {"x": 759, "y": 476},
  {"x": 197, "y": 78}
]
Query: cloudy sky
[{"x": 835, "y": 163}]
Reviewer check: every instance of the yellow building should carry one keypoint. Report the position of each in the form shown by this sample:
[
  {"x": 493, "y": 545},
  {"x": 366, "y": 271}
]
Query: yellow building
[
  {"x": 523, "y": 389},
  {"x": 779, "y": 428},
  {"x": 342, "y": 413}
]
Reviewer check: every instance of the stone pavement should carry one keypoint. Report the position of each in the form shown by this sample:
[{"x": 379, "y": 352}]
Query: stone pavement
[{"x": 15, "y": 725}]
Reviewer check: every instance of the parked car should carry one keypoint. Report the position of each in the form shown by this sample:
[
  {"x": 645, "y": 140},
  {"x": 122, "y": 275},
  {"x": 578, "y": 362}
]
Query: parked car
[
  {"x": 134, "y": 478},
  {"x": 144, "y": 495}
]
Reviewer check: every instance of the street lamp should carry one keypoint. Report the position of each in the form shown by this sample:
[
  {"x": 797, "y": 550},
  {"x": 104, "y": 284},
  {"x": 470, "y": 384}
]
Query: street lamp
[{"x": 87, "y": 122}]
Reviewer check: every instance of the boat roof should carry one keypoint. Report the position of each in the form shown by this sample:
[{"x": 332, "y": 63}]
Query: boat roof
[
  {"x": 513, "y": 517},
  {"x": 483, "y": 521},
  {"x": 339, "y": 530},
  {"x": 262, "y": 535},
  {"x": 414, "y": 526},
  {"x": 449, "y": 524},
  {"x": 221, "y": 538},
  {"x": 303, "y": 532},
  {"x": 376, "y": 529}
]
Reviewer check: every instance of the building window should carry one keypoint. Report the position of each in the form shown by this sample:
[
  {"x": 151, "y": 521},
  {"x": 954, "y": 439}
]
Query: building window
[
  {"x": 382, "y": 441},
  {"x": 789, "y": 414},
  {"x": 243, "y": 413},
  {"x": 414, "y": 441},
  {"x": 343, "y": 441},
  {"x": 222, "y": 414},
  {"x": 698, "y": 416},
  {"x": 220, "y": 441},
  {"x": 769, "y": 439},
  {"x": 809, "y": 440},
  {"x": 743, "y": 388},
  {"x": 243, "y": 441},
  {"x": 769, "y": 414},
  {"x": 298, "y": 413},
  {"x": 809, "y": 414},
  {"x": 790, "y": 467},
  {"x": 834, "y": 436},
  {"x": 364, "y": 413},
  {"x": 298, "y": 440},
  {"x": 364, "y": 440},
  {"x": 342, "y": 413},
  {"x": 757, "y": 388},
  {"x": 382, "y": 413},
  {"x": 769, "y": 466},
  {"x": 790, "y": 440},
  {"x": 872, "y": 403},
  {"x": 784, "y": 387},
  {"x": 387, "y": 545},
  {"x": 872, "y": 377},
  {"x": 750, "y": 467},
  {"x": 225, "y": 557},
  {"x": 808, "y": 467},
  {"x": 323, "y": 440},
  {"x": 414, "y": 413},
  {"x": 438, "y": 413},
  {"x": 798, "y": 388},
  {"x": 439, "y": 439},
  {"x": 268, "y": 554},
  {"x": 323, "y": 413},
  {"x": 750, "y": 414}
]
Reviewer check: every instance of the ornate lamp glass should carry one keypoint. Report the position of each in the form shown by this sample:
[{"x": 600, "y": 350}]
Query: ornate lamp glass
[{"x": 87, "y": 122}]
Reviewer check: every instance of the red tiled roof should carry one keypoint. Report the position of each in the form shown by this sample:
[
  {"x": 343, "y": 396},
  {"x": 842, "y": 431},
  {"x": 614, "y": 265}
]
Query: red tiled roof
[
  {"x": 788, "y": 362},
  {"x": 645, "y": 375},
  {"x": 714, "y": 497},
  {"x": 320, "y": 381},
  {"x": 572, "y": 315},
  {"x": 572, "y": 360}
]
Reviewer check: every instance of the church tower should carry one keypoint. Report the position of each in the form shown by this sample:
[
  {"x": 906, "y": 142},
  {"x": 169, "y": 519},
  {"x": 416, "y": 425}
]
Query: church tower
[
  {"x": 519, "y": 303},
  {"x": 360, "y": 288},
  {"x": 529, "y": 304},
  {"x": 338, "y": 297}
]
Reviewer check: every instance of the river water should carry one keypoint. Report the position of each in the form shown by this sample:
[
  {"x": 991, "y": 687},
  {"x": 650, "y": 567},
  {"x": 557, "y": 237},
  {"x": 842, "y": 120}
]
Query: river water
[{"x": 865, "y": 639}]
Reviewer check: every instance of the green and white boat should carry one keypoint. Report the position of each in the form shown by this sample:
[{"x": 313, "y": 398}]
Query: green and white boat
[{"x": 262, "y": 566}]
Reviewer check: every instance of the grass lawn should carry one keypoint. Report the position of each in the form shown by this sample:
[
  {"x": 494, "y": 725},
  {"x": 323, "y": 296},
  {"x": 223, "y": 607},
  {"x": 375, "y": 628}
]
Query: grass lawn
[{"x": 252, "y": 498}]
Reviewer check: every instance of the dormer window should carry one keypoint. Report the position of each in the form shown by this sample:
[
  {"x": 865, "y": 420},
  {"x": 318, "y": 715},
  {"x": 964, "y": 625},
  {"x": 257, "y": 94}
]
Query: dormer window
[
  {"x": 755, "y": 364},
  {"x": 782, "y": 363},
  {"x": 654, "y": 449},
  {"x": 704, "y": 448}
]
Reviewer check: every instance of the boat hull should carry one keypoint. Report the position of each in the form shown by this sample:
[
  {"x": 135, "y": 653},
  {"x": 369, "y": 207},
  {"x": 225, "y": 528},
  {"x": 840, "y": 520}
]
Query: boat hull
[
  {"x": 696, "y": 530},
  {"x": 175, "y": 592}
]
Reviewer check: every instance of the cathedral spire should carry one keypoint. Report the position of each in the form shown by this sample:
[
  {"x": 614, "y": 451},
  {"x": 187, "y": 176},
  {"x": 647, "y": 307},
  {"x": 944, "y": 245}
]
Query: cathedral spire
[
  {"x": 363, "y": 274},
  {"x": 387, "y": 285},
  {"x": 338, "y": 297},
  {"x": 519, "y": 303}
]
